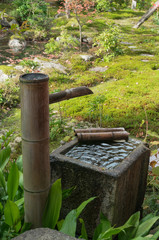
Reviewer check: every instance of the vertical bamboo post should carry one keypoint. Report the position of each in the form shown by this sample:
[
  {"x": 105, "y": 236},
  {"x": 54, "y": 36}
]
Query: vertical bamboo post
[{"x": 35, "y": 144}]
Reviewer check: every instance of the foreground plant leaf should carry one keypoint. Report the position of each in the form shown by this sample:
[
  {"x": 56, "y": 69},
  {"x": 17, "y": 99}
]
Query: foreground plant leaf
[
  {"x": 53, "y": 206},
  {"x": 145, "y": 227},
  {"x": 13, "y": 182},
  {"x": 70, "y": 222},
  {"x": 12, "y": 215},
  {"x": 102, "y": 227},
  {"x": 4, "y": 157}
]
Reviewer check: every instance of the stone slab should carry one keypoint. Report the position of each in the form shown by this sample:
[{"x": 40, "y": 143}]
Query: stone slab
[{"x": 43, "y": 234}]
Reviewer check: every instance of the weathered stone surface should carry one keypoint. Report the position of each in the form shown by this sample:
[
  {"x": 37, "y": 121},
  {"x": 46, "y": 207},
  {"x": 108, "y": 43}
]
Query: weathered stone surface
[
  {"x": 119, "y": 191},
  {"x": 86, "y": 57},
  {"x": 17, "y": 44},
  {"x": 3, "y": 76},
  {"x": 146, "y": 55},
  {"x": 99, "y": 69},
  {"x": 43, "y": 234},
  {"x": 4, "y": 23},
  {"x": 51, "y": 64}
]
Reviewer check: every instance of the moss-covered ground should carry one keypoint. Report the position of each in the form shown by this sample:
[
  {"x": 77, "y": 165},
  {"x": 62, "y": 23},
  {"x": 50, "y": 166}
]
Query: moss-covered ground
[{"x": 126, "y": 94}]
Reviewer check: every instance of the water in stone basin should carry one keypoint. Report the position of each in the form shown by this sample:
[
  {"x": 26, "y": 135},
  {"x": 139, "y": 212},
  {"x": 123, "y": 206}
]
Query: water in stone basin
[{"x": 107, "y": 155}]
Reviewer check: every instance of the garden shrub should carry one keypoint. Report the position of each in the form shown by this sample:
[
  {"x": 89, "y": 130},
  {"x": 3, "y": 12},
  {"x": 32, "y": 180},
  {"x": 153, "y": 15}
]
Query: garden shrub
[
  {"x": 108, "y": 43},
  {"x": 65, "y": 41},
  {"x": 34, "y": 12}
]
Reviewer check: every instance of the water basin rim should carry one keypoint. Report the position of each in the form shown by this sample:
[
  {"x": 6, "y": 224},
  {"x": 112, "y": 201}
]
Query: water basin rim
[
  {"x": 58, "y": 155},
  {"x": 33, "y": 78}
]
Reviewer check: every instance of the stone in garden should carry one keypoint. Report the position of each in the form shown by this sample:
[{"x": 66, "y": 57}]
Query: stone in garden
[
  {"x": 17, "y": 44},
  {"x": 88, "y": 40},
  {"x": 43, "y": 234},
  {"x": 19, "y": 67},
  {"x": 86, "y": 57},
  {"x": 147, "y": 55},
  {"x": 14, "y": 22},
  {"x": 144, "y": 60},
  {"x": 3, "y": 76},
  {"x": 126, "y": 43},
  {"x": 131, "y": 47},
  {"x": 51, "y": 64},
  {"x": 4, "y": 23},
  {"x": 99, "y": 69}
]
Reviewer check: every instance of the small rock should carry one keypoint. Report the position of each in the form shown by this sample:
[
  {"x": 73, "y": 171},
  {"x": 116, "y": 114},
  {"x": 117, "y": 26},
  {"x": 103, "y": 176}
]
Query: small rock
[
  {"x": 17, "y": 44},
  {"x": 51, "y": 64},
  {"x": 62, "y": 142},
  {"x": 131, "y": 47},
  {"x": 3, "y": 76},
  {"x": 146, "y": 55},
  {"x": 19, "y": 67},
  {"x": 14, "y": 22},
  {"x": 98, "y": 69},
  {"x": 144, "y": 60},
  {"x": 126, "y": 43},
  {"x": 86, "y": 57},
  {"x": 4, "y": 23}
]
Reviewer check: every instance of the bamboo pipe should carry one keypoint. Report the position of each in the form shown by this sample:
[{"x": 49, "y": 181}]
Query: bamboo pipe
[
  {"x": 35, "y": 144},
  {"x": 102, "y": 136},
  {"x": 69, "y": 93},
  {"x": 98, "y": 130}
]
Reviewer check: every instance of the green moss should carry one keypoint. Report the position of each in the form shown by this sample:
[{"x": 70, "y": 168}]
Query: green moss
[{"x": 7, "y": 69}]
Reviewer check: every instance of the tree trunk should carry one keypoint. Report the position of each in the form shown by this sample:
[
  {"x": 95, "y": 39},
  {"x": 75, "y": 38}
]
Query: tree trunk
[{"x": 147, "y": 15}]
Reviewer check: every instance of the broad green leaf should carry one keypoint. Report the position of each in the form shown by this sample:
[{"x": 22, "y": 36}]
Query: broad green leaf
[
  {"x": 53, "y": 205},
  {"x": 67, "y": 192},
  {"x": 83, "y": 230},
  {"x": 155, "y": 171},
  {"x": 132, "y": 224},
  {"x": 59, "y": 224},
  {"x": 12, "y": 215},
  {"x": 83, "y": 205},
  {"x": 103, "y": 226},
  {"x": 148, "y": 216},
  {"x": 1, "y": 208},
  {"x": 19, "y": 163},
  {"x": 20, "y": 202},
  {"x": 21, "y": 183},
  {"x": 109, "y": 233},
  {"x": 145, "y": 227},
  {"x": 70, "y": 223},
  {"x": 13, "y": 182},
  {"x": 25, "y": 227},
  {"x": 2, "y": 181},
  {"x": 4, "y": 157}
]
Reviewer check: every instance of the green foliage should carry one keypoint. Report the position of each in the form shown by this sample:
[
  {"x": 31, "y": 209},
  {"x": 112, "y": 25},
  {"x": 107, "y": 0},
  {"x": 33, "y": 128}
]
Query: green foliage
[
  {"x": 106, "y": 5},
  {"x": 133, "y": 229},
  {"x": 65, "y": 42},
  {"x": 52, "y": 211},
  {"x": 34, "y": 12},
  {"x": 11, "y": 193},
  {"x": 108, "y": 43},
  {"x": 146, "y": 4},
  {"x": 29, "y": 63},
  {"x": 57, "y": 124}
]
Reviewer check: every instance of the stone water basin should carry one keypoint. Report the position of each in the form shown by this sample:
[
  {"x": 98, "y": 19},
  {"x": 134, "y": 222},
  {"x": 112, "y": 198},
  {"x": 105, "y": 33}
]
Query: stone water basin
[{"x": 115, "y": 173}]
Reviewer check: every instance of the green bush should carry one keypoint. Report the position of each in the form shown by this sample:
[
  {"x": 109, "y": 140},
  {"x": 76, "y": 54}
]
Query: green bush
[
  {"x": 106, "y": 5},
  {"x": 34, "y": 12},
  {"x": 66, "y": 41},
  {"x": 108, "y": 43}
]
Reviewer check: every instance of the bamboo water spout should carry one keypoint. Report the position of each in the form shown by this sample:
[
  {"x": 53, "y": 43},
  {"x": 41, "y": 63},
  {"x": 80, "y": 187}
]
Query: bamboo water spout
[{"x": 35, "y": 140}]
